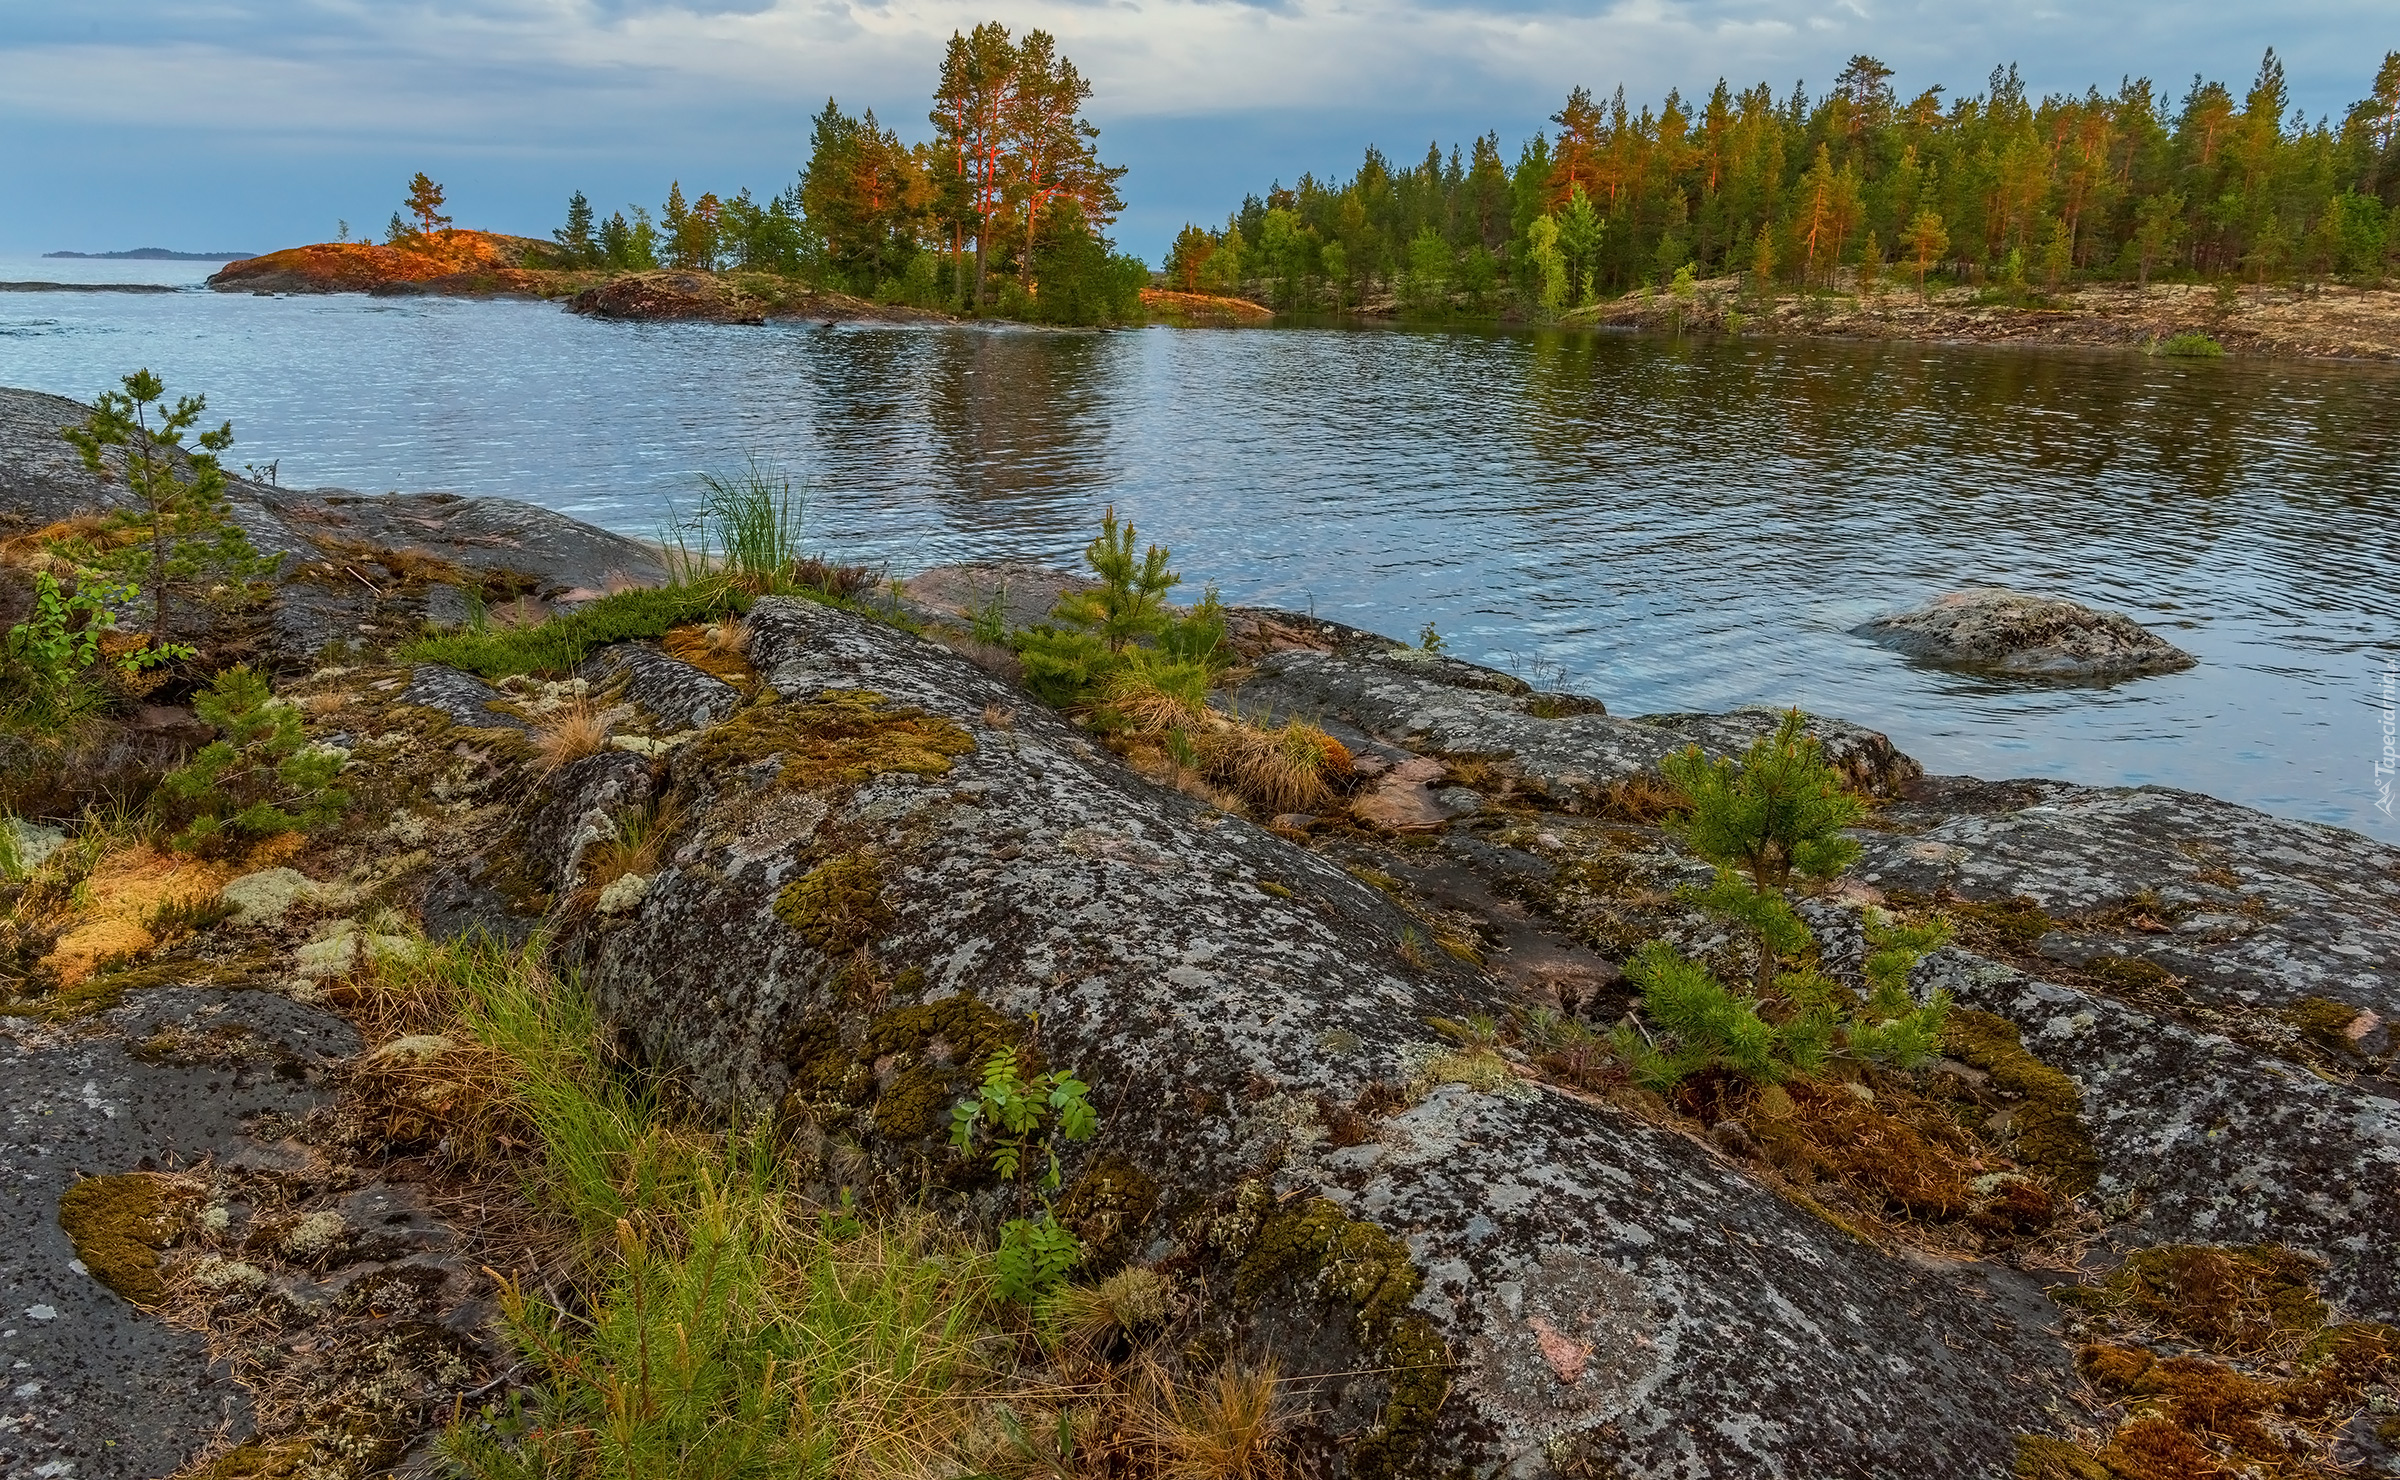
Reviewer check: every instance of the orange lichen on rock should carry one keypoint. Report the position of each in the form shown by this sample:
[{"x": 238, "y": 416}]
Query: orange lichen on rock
[{"x": 357, "y": 267}]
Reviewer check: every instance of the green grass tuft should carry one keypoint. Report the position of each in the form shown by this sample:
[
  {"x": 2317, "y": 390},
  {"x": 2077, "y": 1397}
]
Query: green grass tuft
[{"x": 2193, "y": 346}]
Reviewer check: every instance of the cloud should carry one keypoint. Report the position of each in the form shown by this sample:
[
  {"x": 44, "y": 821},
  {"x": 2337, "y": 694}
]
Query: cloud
[{"x": 723, "y": 88}]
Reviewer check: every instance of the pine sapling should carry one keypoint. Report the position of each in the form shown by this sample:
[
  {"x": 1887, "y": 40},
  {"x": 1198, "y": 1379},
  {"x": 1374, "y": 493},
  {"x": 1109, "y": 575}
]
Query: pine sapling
[
  {"x": 1775, "y": 815},
  {"x": 178, "y": 525},
  {"x": 260, "y": 776}
]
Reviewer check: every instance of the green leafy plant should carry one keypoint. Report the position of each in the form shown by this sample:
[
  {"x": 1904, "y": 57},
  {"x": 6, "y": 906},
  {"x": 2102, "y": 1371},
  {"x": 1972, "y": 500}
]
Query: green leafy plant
[
  {"x": 45, "y": 657},
  {"x": 260, "y": 776},
  {"x": 1035, "y": 1256},
  {"x": 2192, "y": 346},
  {"x": 178, "y": 527},
  {"x": 1429, "y": 640},
  {"x": 1019, "y": 1121}
]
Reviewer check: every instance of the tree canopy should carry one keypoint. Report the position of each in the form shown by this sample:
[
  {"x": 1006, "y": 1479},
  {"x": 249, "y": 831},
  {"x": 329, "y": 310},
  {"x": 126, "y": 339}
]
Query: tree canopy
[{"x": 1797, "y": 188}]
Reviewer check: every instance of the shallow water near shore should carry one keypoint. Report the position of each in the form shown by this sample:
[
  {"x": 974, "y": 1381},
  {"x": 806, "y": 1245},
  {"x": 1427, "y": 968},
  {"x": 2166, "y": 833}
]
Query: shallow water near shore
[{"x": 1671, "y": 525}]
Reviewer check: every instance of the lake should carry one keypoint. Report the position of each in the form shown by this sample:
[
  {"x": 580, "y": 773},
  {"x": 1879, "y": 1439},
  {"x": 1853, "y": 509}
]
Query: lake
[{"x": 1672, "y": 525}]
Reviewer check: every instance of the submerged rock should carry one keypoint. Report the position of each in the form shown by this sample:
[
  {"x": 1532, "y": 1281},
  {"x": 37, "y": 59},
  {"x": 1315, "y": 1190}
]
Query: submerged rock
[{"x": 2023, "y": 635}]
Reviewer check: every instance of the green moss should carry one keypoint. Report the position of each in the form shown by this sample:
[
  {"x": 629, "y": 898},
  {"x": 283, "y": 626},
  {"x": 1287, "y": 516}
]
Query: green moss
[
  {"x": 1106, "y": 1207},
  {"x": 2323, "y": 1022},
  {"x": 2228, "y": 1299},
  {"x": 912, "y": 1105},
  {"x": 118, "y": 1225},
  {"x": 2335, "y": 1370},
  {"x": 1316, "y": 1246},
  {"x": 938, "y": 1048},
  {"x": 2129, "y": 973},
  {"x": 2040, "y": 1457},
  {"x": 837, "y": 906},
  {"x": 970, "y": 1031},
  {"x": 257, "y": 1460},
  {"x": 2046, "y": 1126},
  {"x": 2016, "y": 923},
  {"x": 556, "y": 646},
  {"x": 825, "y": 1072},
  {"x": 843, "y": 737}
]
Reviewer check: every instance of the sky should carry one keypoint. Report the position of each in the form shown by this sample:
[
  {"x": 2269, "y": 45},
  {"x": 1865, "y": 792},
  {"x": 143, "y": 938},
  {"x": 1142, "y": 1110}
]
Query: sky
[{"x": 223, "y": 125}]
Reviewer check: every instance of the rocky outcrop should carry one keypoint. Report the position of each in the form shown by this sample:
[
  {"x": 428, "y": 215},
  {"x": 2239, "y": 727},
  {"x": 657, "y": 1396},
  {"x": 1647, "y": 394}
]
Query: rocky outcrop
[
  {"x": 365, "y": 267},
  {"x": 2024, "y": 636},
  {"x": 702, "y": 297},
  {"x": 822, "y": 883},
  {"x": 353, "y": 566},
  {"x": 889, "y": 873}
]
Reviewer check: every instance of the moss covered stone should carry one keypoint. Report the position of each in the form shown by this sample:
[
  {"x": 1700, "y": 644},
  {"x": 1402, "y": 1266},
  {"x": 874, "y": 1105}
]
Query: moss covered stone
[
  {"x": 2015, "y": 923},
  {"x": 928, "y": 1053},
  {"x": 118, "y": 1225},
  {"x": 838, "y": 906},
  {"x": 2129, "y": 973},
  {"x": 843, "y": 737},
  {"x": 2046, "y": 1124},
  {"x": 1319, "y": 1248},
  {"x": 2232, "y": 1300},
  {"x": 2040, "y": 1457},
  {"x": 2324, "y": 1022},
  {"x": 1105, "y": 1207}
]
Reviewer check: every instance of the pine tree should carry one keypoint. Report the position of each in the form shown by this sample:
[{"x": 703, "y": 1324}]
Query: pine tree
[
  {"x": 675, "y": 223},
  {"x": 1192, "y": 249},
  {"x": 1776, "y": 813},
  {"x": 177, "y": 526},
  {"x": 576, "y": 235},
  {"x": 425, "y": 203},
  {"x": 2058, "y": 255},
  {"x": 1052, "y": 148},
  {"x": 1928, "y": 239}
]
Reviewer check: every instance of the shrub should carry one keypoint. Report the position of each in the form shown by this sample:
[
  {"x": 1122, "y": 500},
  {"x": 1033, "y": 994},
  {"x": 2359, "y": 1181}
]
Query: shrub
[
  {"x": 260, "y": 776},
  {"x": 1120, "y": 634},
  {"x": 45, "y": 658},
  {"x": 1023, "y": 1120},
  {"x": 2191, "y": 346}
]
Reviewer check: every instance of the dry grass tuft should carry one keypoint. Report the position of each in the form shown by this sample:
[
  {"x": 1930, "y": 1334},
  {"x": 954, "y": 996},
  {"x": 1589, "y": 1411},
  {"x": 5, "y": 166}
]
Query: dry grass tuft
[
  {"x": 636, "y": 844},
  {"x": 1646, "y": 798},
  {"x": 569, "y": 733},
  {"x": 1292, "y": 769},
  {"x": 719, "y": 649},
  {"x": 1228, "y": 1425},
  {"x": 1122, "y": 1304}
]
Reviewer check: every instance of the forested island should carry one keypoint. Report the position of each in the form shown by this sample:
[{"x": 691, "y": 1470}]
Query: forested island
[{"x": 2223, "y": 218}]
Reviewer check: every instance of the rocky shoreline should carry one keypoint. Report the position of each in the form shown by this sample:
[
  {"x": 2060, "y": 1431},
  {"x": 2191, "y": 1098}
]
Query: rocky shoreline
[
  {"x": 2160, "y": 1150},
  {"x": 2325, "y": 321}
]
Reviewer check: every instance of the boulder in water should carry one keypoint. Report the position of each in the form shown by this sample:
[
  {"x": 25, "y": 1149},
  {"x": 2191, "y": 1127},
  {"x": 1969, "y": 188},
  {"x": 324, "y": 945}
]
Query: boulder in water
[{"x": 2019, "y": 633}]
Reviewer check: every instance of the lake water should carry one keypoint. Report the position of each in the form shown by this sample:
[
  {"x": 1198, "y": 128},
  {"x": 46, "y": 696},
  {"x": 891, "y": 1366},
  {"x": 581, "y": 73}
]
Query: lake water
[{"x": 1670, "y": 525}]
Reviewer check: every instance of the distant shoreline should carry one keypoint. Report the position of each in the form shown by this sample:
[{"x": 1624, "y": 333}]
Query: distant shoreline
[
  {"x": 89, "y": 288},
  {"x": 154, "y": 254}
]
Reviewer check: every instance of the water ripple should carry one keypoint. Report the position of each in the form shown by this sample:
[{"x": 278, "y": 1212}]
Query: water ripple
[{"x": 1671, "y": 525}]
